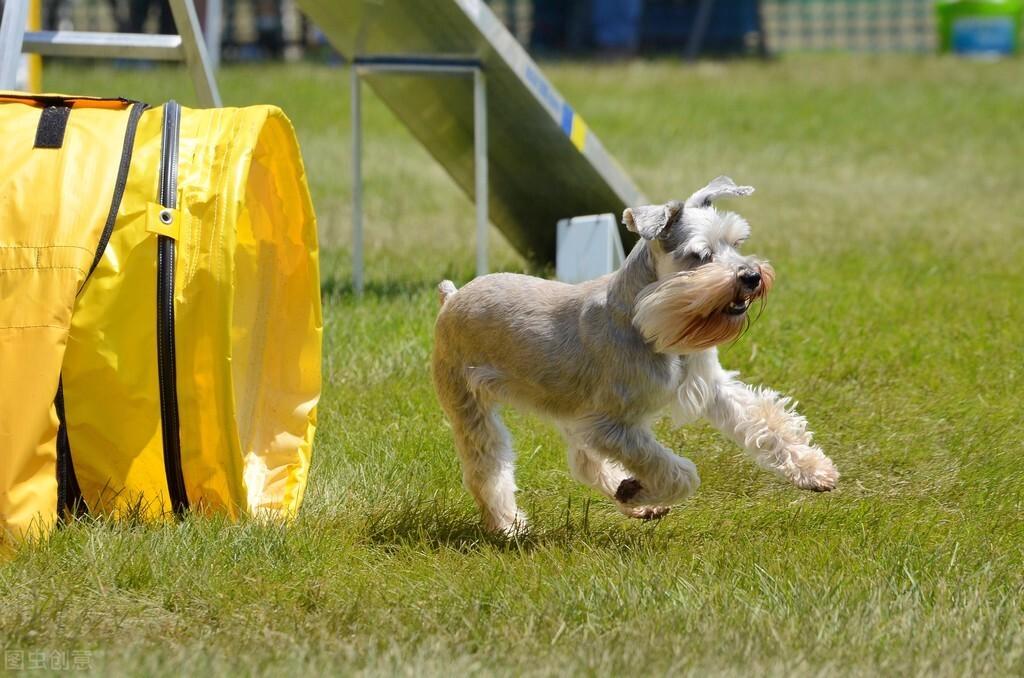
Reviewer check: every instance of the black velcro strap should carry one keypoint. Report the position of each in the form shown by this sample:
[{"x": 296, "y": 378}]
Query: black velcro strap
[{"x": 52, "y": 123}]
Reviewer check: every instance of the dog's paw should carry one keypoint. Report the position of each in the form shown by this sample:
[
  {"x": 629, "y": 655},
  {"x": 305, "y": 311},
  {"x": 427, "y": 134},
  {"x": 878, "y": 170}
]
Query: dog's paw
[
  {"x": 510, "y": 528},
  {"x": 822, "y": 478},
  {"x": 676, "y": 483},
  {"x": 645, "y": 512},
  {"x": 627, "y": 491}
]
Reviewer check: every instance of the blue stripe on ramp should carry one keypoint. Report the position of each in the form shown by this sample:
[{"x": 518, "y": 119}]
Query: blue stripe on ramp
[{"x": 567, "y": 115}]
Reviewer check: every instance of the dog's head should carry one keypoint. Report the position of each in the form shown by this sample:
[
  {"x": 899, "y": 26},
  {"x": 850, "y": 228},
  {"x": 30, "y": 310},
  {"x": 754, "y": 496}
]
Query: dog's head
[{"x": 705, "y": 286}]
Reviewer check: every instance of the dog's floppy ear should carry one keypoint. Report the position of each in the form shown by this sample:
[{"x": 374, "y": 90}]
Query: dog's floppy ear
[
  {"x": 719, "y": 187},
  {"x": 648, "y": 221}
]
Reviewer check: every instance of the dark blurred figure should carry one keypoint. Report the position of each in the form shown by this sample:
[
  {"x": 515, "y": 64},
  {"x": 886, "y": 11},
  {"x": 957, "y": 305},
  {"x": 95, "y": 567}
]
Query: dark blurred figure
[
  {"x": 616, "y": 26},
  {"x": 625, "y": 27},
  {"x": 728, "y": 27},
  {"x": 560, "y": 25},
  {"x": 269, "y": 29},
  {"x": 139, "y": 11},
  {"x": 611, "y": 27},
  {"x": 51, "y": 15}
]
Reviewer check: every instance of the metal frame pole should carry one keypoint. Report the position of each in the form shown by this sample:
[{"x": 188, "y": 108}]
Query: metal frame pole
[
  {"x": 417, "y": 65},
  {"x": 34, "y": 82},
  {"x": 196, "y": 57},
  {"x": 700, "y": 28},
  {"x": 480, "y": 167},
  {"x": 214, "y": 29},
  {"x": 357, "y": 182},
  {"x": 12, "y": 34}
]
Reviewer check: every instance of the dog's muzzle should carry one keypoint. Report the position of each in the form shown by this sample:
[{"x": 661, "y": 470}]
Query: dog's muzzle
[
  {"x": 695, "y": 310},
  {"x": 737, "y": 307},
  {"x": 748, "y": 281}
]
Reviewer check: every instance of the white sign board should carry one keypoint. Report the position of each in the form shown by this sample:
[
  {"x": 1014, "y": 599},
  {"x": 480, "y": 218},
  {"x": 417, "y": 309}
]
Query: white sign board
[{"x": 588, "y": 247}]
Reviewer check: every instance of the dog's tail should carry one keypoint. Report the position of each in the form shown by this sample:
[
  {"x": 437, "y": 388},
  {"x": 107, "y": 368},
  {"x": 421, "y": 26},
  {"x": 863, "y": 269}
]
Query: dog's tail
[{"x": 445, "y": 291}]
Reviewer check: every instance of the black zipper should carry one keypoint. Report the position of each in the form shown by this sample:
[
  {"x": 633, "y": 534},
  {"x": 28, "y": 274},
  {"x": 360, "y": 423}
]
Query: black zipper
[
  {"x": 167, "y": 369},
  {"x": 69, "y": 493}
]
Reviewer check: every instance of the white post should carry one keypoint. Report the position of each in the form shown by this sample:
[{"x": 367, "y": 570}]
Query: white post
[
  {"x": 480, "y": 167},
  {"x": 12, "y": 34},
  {"x": 357, "y": 183}
]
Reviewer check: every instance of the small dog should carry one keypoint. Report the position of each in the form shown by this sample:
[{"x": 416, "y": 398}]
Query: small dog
[{"x": 605, "y": 357}]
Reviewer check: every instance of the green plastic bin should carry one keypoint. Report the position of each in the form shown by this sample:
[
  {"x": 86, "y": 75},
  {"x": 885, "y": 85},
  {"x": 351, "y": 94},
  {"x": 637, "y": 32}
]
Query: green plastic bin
[{"x": 980, "y": 27}]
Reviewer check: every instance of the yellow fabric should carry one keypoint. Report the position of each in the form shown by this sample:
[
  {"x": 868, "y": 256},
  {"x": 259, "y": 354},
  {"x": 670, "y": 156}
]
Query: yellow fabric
[
  {"x": 111, "y": 391},
  {"x": 53, "y": 206},
  {"x": 247, "y": 323},
  {"x": 248, "y": 245}
]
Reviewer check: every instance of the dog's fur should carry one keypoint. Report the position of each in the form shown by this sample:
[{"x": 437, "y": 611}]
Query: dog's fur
[{"x": 605, "y": 357}]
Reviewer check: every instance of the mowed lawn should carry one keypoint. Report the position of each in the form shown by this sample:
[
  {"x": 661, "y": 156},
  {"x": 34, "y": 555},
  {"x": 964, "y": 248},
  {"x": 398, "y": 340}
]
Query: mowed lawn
[{"x": 890, "y": 200}]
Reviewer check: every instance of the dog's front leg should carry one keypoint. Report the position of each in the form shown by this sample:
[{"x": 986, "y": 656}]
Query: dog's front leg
[
  {"x": 659, "y": 477},
  {"x": 605, "y": 475},
  {"x": 760, "y": 420}
]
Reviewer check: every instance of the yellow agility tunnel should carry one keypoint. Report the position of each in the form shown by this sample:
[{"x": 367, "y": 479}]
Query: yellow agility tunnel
[{"x": 160, "y": 321}]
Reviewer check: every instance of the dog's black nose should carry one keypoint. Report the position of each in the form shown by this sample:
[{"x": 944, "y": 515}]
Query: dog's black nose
[{"x": 750, "y": 278}]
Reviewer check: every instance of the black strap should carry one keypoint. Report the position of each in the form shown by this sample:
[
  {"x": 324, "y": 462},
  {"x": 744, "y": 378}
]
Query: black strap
[
  {"x": 119, "y": 185},
  {"x": 53, "y": 121}
]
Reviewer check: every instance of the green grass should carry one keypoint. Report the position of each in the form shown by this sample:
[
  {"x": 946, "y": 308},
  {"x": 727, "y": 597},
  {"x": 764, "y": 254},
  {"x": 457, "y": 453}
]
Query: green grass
[{"x": 890, "y": 201}]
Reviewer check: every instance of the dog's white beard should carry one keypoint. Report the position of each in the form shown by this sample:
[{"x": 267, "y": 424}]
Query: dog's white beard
[{"x": 685, "y": 313}]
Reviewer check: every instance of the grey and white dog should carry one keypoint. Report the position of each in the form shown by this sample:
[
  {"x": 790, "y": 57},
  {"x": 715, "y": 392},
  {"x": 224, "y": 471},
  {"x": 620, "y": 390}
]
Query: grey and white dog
[{"x": 604, "y": 358}]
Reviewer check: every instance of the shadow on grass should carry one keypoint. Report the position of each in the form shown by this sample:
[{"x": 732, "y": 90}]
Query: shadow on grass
[
  {"x": 433, "y": 523},
  {"x": 334, "y": 288},
  {"x": 339, "y": 286},
  {"x": 438, "y": 526}
]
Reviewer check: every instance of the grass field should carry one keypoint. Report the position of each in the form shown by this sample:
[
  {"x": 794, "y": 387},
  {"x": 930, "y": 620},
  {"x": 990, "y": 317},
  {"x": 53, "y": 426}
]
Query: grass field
[{"x": 889, "y": 200}]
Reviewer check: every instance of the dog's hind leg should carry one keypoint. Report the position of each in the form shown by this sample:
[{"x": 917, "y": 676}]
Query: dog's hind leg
[
  {"x": 488, "y": 466},
  {"x": 485, "y": 451},
  {"x": 605, "y": 476},
  {"x": 658, "y": 477}
]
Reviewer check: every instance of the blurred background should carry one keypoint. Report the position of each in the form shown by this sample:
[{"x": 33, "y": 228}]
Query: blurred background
[{"x": 275, "y": 29}]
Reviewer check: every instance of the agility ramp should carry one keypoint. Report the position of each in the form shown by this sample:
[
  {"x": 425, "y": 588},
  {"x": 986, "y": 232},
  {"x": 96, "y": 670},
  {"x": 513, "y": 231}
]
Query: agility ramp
[{"x": 542, "y": 162}]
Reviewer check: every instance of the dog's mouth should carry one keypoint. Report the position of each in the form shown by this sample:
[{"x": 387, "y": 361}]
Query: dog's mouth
[{"x": 738, "y": 307}]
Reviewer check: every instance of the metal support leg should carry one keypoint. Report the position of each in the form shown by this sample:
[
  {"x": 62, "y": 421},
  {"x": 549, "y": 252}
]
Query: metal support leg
[
  {"x": 480, "y": 168},
  {"x": 357, "y": 182},
  {"x": 196, "y": 58},
  {"x": 425, "y": 65},
  {"x": 214, "y": 29},
  {"x": 700, "y": 28},
  {"x": 12, "y": 33}
]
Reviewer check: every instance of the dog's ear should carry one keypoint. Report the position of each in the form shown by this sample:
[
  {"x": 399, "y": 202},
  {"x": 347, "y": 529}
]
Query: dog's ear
[
  {"x": 649, "y": 221},
  {"x": 719, "y": 187}
]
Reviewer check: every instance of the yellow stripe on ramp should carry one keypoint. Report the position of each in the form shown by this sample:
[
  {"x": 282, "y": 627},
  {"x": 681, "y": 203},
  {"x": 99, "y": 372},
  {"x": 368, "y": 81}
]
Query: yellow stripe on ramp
[{"x": 579, "y": 132}]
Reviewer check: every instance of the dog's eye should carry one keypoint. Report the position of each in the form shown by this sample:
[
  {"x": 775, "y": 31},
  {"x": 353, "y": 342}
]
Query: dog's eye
[
  {"x": 692, "y": 259},
  {"x": 736, "y": 245},
  {"x": 701, "y": 258}
]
